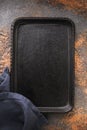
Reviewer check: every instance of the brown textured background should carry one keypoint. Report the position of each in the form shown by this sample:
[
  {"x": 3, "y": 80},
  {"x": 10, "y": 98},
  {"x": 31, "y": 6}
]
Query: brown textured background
[{"x": 76, "y": 10}]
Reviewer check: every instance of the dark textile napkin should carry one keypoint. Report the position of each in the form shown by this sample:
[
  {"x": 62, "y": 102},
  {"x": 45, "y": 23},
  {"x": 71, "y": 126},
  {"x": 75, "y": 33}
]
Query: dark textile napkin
[
  {"x": 5, "y": 80},
  {"x": 16, "y": 111}
]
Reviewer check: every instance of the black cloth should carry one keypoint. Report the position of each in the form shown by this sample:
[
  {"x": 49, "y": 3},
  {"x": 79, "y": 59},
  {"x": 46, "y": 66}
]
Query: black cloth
[{"x": 16, "y": 111}]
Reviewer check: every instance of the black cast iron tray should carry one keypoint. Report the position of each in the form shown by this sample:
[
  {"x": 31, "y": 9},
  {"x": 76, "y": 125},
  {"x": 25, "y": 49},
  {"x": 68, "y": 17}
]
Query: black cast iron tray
[{"x": 43, "y": 62}]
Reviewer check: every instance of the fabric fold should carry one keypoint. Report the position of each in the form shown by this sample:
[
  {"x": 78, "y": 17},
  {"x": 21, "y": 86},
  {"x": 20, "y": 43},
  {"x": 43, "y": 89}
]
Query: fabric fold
[
  {"x": 16, "y": 111},
  {"x": 5, "y": 80}
]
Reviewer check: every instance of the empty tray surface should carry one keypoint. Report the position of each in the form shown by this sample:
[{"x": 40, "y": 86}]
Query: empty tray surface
[{"x": 43, "y": 62}]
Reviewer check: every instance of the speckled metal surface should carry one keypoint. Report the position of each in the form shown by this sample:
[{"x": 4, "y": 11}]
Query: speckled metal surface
[{"x": 76, "y": 10}]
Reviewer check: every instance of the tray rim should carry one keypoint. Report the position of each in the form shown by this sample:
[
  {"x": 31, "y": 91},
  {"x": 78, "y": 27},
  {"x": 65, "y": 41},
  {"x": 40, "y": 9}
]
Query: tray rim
[{"x": 70, "y": 103}]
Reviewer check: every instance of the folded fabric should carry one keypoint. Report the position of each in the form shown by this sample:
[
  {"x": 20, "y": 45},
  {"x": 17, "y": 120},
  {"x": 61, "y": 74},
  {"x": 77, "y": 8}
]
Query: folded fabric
[
  {"x": 16, "y": 111},
  {"x": 5, "y": 80}
]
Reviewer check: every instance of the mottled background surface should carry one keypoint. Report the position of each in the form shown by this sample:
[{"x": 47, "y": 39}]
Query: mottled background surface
[{"x": 76, "y": 10}]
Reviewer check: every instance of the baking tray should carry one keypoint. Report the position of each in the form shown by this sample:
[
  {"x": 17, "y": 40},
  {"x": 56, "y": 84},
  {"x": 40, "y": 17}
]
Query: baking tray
[{"x": 42, "y": 66}]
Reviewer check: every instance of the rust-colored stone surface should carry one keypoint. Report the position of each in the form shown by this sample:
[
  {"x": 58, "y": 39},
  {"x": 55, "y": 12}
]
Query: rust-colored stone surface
[
  {"x": 79, "y": 6},
  {"x": 4, "y": 50},
  {"x": 76, "y": 10}
]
